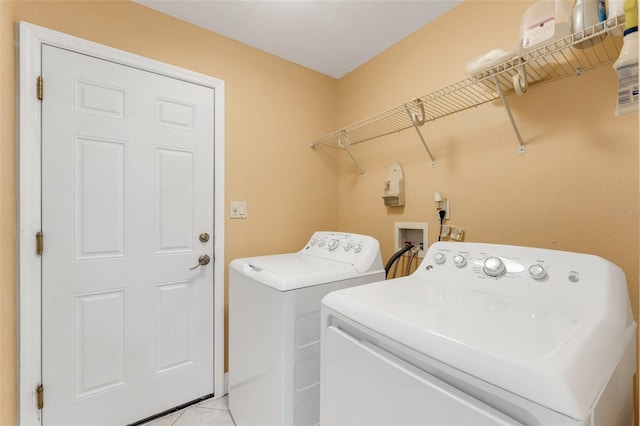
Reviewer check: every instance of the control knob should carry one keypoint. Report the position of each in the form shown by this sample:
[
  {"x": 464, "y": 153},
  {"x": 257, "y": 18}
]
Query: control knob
[
  {"x": 459, "y": 260},
  {"x": 347, "y": 246},
  {"x": 493, "y": 266},
  {"x": 333, "y": 244},
  {"x": 321, "y": 243},
  {"x": 358, "y": 248},
  {"x": 537, "y": 272},
  {"x": 439, "y": 258}
]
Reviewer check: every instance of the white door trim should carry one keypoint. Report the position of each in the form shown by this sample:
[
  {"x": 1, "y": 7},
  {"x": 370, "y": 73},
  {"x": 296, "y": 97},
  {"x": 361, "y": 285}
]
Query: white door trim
[{"x": 29, "y": 268}]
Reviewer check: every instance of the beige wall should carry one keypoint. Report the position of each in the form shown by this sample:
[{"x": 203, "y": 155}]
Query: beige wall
[
  {"x": 272, "y": 108},
  {"x": 581, "y": 162},
  {"x": 7, "y": 218}
]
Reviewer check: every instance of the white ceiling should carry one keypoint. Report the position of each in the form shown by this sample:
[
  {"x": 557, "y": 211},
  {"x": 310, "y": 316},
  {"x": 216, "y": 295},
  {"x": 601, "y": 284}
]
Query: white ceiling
[{"x": 330, "y": 36}]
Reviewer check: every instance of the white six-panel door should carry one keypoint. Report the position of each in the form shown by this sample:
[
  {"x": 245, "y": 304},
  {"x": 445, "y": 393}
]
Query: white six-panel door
[{"x": 127, "y": 189}]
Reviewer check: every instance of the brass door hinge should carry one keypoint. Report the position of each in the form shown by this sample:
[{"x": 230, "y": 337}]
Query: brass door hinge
[
  {"x": 40, "y": 395},
  {"x": 39, "y": 243},
  {"x": 40, "y": 88}
]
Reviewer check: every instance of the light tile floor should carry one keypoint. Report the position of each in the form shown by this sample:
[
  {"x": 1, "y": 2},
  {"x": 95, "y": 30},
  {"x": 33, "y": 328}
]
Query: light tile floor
[{"x": 212, "y": 412}]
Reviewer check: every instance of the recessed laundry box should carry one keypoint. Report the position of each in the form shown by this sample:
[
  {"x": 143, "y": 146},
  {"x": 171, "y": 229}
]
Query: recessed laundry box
[
  {"x": 482, "y": 334},
  {"x": 274, "y": 324}
]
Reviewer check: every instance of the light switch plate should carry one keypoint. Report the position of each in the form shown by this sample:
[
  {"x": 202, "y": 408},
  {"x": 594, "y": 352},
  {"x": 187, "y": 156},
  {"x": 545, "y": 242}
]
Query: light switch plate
[{"x": 238, "y": 209}]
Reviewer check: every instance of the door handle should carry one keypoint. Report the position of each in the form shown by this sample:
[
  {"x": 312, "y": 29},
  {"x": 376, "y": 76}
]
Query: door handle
[{"x": 202, "y": 260}]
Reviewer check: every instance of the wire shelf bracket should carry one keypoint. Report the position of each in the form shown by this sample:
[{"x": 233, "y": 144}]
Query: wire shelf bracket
[
  {"x": 345, "y": 143},
  {"x": 417, "y": 123},
  {"x": 520, "y": 86}
]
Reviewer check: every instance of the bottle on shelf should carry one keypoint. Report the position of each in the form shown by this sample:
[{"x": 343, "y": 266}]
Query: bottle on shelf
[
  {"x": 627, "y": 64},
  {"x": 544, "y": 22},
  {"x": 584, "y": 15}
]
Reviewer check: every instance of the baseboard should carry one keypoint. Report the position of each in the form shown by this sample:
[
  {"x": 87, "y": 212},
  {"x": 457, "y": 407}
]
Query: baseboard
[{"x": 226, "y": 383}]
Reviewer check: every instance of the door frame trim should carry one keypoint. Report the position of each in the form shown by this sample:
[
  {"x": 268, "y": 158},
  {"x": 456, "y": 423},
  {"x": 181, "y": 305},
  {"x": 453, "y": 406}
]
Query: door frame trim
[{"x": 29, "y": 266}]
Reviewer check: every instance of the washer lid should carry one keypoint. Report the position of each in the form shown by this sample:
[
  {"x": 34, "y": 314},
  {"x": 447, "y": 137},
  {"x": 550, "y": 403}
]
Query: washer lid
[
  {"x": 294, "y": 270},
  {"x": 555, "y": 356}
]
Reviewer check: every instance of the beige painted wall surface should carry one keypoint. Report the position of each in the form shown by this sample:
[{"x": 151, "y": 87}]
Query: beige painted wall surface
[
  {"x": 272, "y": 107},
  {"x": 575, "y": 189},
  {"x": 7, "y": 218}
]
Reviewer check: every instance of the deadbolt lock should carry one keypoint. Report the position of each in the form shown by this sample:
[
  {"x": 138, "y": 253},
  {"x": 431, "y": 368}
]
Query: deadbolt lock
[{"x": 204, "y": 237}]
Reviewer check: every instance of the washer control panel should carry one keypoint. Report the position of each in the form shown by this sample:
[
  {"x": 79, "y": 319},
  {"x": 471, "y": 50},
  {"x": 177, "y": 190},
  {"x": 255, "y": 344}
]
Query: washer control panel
[
  {"x": 454, "y": 260},
  {"x": 534, "y": 276},
  {"x": 496, "y": 262},
  {"x": 359, "y": 250}
]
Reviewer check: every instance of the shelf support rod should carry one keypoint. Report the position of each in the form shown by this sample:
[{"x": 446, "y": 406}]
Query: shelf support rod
[
  {"x": 506, "y": 107},
  {"x": 345, "y": 143},
  {"x": 417, "y": 122}
]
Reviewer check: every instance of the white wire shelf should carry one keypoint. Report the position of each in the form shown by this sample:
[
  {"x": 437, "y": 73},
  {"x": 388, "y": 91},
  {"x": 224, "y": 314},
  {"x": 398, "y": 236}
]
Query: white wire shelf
[{"x": 556, "y": 60}]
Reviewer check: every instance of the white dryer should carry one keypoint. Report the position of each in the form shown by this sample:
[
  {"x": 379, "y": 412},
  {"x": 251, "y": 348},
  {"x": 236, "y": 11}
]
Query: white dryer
[
  {"x": 274, "y": 324},
  {"x": 482, "y": 335}
]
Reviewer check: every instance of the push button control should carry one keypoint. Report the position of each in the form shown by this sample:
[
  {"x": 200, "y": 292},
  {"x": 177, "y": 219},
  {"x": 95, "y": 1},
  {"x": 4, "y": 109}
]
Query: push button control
[{"x": 537, "y": 272}]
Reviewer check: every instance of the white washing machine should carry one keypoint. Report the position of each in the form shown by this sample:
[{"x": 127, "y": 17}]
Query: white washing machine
[
  {"x": 482, "y": 335},
  {"x": 274, "y": 324}
]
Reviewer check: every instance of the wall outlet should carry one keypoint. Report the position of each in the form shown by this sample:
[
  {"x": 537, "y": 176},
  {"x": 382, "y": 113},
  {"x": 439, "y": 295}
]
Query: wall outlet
[{"x": 446, "y": 206}]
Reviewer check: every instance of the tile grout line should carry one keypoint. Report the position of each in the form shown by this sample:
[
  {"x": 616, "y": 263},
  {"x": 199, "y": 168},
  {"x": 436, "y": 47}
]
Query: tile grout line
[
  {"x": 178, "y": 418},
  {"x": 213, "y": 408}
]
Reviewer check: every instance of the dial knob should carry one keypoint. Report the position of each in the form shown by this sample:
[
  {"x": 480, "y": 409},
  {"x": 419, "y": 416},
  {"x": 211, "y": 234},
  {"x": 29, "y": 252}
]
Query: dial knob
[
  {"x": 459, "y": 260},
  {"x": 333, "y": 244},
  {"x": 494, "y": 267},
  {"x": 537, "y": 272},
  {"x": 439, "y": 258},
  {"x": 347, "y": 246},
  {"x": 313, "y": 242},
  {"x": 321, "y": 243},
  {"x": 358, "y": 248}
]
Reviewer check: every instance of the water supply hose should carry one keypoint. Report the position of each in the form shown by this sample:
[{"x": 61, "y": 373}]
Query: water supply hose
[{"x": 395, "y": 257}]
